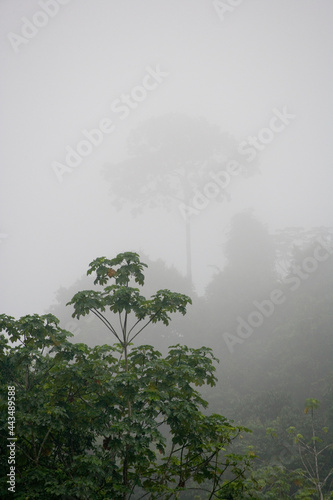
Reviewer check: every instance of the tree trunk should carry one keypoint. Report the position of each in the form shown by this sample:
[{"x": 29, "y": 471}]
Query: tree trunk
[{"x": 188, "y": 252}]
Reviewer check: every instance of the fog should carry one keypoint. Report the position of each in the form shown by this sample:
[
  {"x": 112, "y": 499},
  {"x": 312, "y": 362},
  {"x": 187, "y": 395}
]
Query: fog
[
  {"x": 195, "y": 135},
  {"x": 261, "y": 71}
]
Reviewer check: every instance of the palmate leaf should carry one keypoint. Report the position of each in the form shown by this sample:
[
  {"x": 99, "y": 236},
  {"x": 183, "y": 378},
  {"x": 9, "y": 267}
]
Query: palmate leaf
[
  {"x": 130, "y": 267},
  {"x": 45, "y": 330},
  {"x": 85, "y": 301},
  {"x": 122, "y": 299}
]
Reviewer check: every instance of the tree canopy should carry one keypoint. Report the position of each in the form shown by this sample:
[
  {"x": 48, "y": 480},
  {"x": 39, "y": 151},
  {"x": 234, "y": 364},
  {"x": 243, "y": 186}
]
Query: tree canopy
[{"x": 113, "y": 421}]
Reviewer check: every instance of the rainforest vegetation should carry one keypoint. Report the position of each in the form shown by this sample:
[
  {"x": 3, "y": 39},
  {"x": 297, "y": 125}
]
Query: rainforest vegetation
[{"x": 133, "y": 390}]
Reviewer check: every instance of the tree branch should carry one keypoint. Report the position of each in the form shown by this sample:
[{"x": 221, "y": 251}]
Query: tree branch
[{"x": 101, "y": 317}]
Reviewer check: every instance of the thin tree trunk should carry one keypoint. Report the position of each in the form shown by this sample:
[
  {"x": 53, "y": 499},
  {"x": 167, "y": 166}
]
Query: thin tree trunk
[
  {"x": 188, "y": 251},
  {"x": 125, "y": 348}
]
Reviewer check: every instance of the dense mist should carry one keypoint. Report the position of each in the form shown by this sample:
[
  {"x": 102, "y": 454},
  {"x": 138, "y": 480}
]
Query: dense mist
[
  {"x": 196, "y": 134},
  {"x": 177, "y": 90}
]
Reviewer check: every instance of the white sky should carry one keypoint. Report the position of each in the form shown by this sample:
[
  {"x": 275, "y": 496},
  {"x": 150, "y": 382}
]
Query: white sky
[{"x": 234, "y": 72}]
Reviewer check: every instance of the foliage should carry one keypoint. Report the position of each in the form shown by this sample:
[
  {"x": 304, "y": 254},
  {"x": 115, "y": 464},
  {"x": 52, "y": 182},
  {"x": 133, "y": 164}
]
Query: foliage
[
  {"x": 112, "y": 421},
  {"x": 314, "y": 456},
  {"x": 91, "y": 331},
  {"x": 122, "y": 299},
  {"x": 307, "y": 478},
  {"x": 265, "y": 381}
]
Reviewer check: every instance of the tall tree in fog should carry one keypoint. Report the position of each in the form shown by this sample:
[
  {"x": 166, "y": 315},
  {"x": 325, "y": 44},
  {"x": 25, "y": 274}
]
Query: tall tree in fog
[
  {"x": 250, "y": 251},
  {"x": 250, "y": 254},
  {"x": 170, "y": 162},
  {"x": 248, "y": 275}
]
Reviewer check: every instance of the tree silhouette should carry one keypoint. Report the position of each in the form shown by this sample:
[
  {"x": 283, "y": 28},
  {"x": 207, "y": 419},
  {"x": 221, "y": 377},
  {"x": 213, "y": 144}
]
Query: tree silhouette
[{"x": 171, "y": 160}]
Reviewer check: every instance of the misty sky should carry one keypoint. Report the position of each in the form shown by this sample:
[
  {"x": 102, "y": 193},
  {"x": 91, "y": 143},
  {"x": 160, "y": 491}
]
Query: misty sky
[{"x": 233, "y": 69}]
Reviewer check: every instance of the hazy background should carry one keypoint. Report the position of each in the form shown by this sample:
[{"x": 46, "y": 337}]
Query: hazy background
[{"x": 231, "y": 72}]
